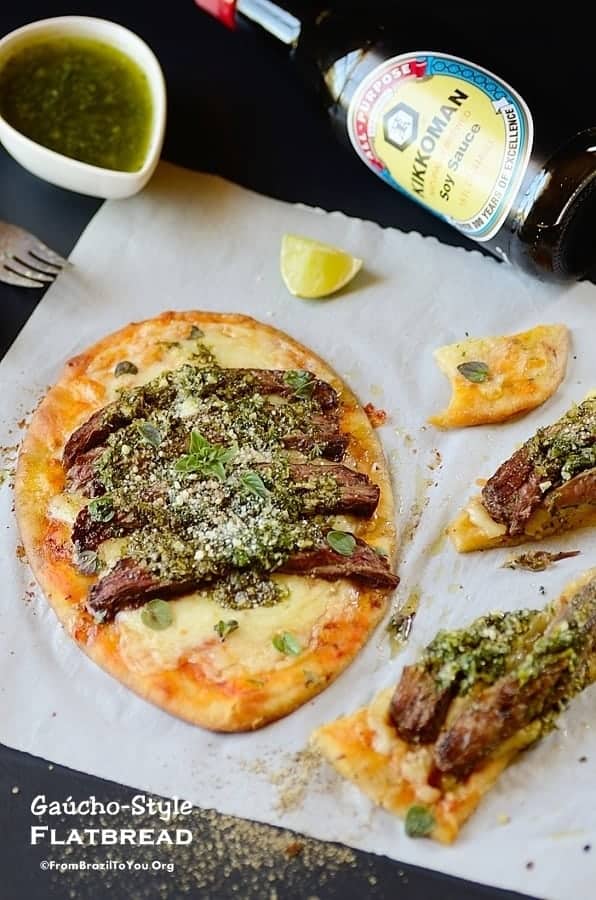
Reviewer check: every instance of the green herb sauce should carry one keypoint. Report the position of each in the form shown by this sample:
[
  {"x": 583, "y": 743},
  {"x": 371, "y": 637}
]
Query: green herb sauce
[
  {"x": 481, "y": 652},
  {"x": 563, "y": 450},
  {"x": 199, "y": 463},
  {"x": 81, "y": 98}
]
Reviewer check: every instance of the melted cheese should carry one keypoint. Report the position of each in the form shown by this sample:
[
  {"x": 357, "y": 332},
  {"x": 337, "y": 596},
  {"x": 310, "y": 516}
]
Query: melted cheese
[
  {"x": 191, "y": 635},
  {"x": 66, "y": 507},
  {"x": 480, "y": 518}
]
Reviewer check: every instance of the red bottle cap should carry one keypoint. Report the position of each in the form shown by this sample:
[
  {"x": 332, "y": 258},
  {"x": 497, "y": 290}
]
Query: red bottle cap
[{"x": 224, "y": 10}]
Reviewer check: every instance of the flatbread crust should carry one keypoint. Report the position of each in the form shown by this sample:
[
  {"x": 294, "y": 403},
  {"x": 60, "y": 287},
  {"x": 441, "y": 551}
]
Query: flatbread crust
[
  {"x": 364, "y": 748},
  {"x": 474, "y": 529},
  {"x": 524, "y": 369},
  {"x": 242, "y": 683}
]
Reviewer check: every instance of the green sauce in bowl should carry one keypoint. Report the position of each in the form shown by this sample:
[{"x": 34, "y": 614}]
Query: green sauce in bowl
[{"x": 82, "y": 98}]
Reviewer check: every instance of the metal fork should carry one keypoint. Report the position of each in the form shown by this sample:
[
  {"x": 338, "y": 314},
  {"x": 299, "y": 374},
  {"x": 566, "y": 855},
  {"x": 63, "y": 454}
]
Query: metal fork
[{"x": 25, "y": 260}]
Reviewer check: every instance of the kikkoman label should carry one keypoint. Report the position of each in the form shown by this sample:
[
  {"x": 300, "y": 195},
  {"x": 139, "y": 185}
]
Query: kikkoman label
[{"x": 447, "y": 133}]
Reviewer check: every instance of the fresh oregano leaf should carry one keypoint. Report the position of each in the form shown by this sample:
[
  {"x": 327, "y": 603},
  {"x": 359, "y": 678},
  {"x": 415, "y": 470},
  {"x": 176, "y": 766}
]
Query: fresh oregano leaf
[
  {"x": 419, "y": 821},
  {"x": 101, "y": 509},
  {"x": 286, "y": 643},
  {"x": 205, "y": 458},
  {"x": 87, "y": 562},
  {"x": 302, "y": 383},
  {"x": 125, "y": 367},
  {"x": 156, "y": 614},
  {"x": 342, "y": 542},
  {"x": 474, "y": 371},
  {"x": 253, "y": 484},
  {"x": 150, "y": 433},
  {"x": 223, "y": 629}
]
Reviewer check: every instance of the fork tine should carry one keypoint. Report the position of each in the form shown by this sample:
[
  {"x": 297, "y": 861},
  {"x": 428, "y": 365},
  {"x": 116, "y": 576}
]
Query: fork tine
[
  {"x": 9, "y": 277},
  {"x": 45, "y": 254},
  {"x": 20, "y": 268},
  {"x": 40, "y": 265}
]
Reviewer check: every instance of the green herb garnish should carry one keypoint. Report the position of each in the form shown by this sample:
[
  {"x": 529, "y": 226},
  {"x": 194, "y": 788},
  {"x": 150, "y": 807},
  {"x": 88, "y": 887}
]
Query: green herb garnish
[
  {"x": 342, "y": 542},
  {"x": 195, "y": 333},
  {"x": 223, "y": 629},
  {"x": 419, "y": 821},
  {"x": 538, "y": 560},
  {"x": 157, "y": 615},
  {"x": 253, "y": 484},
  {"x": 150, "y": 433},
  {"x": 286, "y": 643},
  {"x": 101, "y": 509},
  {"x": 87, "y": 562},
  {"x": 126, "y": 367},
  {"x": 302, "y": 383},
  {"x": 205, "y": 458},
  {"x": 474, "y": 371}
]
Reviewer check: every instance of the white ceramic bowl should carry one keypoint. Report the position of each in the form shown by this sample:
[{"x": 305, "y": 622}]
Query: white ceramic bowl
[{"x": 70, "y": 173}]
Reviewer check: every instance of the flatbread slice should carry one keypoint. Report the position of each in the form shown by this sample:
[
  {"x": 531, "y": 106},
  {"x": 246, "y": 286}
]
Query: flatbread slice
[
  {"x": 495, "y": 378},
  {"x": 430, "y": 750},
  {"x": 207, "y": 508},
  {"x": 547, "y": 487}
]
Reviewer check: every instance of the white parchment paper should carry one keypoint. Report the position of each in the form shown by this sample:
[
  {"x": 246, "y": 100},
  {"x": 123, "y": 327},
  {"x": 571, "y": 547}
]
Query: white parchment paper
[{"x": 193, "y": 241}]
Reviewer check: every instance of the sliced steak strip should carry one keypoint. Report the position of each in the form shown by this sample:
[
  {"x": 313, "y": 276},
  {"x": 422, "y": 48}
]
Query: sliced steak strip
[
  {"x": 363, "y": 565},
  {"x": 324, "y": 435},
  {"x": 499, "y": 712},
  {"x": 88, "y": 533},
  {"x": 129, "y": 584},
  {"x": 273, "y": 381},
  {"x": 515, "y": 700},
  {"x": 418, "y": 707},
  {"x": 357, "y": 495},
  {"x": 105, "y": 421},
  {"x": 578, "y": 490},
  {"x": 93, "y": 432},
  {"x": 513, "y": 493},
  {"x": 81, "y": 477}
]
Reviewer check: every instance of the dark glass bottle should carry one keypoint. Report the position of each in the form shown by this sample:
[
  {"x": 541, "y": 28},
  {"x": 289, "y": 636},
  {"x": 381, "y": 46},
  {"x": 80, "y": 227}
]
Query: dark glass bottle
[{"x": 443, "y": 129}]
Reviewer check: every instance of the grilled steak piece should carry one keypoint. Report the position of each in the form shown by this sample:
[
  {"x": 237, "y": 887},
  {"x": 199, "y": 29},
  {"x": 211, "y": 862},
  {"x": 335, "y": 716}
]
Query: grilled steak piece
[
  {"x": 513, "y": 493},
  {"x": 273, "y": 381},
  {"x": 554, "y": 456},
  {"x": 555, "y": 670},
  {"x": 129, "y": 584},
  {"x": 578, "y": 490},
  {"x": 363, "y": 565},
  {"x": 140, "y": 401},
  {"x": 81, "y": 477},
  {"x": 499, "y": 712},
  {"x": 418, "y": 707},
  {"x": 357, "y": 495},
  {"x": 93, "y": 432},
  {"x": 326, "y": 437},
  {"x": 89, "y": 533}
]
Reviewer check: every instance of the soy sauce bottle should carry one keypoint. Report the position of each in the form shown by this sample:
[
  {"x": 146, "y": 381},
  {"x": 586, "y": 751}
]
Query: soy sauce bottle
[{"x": 442, "y": 129}]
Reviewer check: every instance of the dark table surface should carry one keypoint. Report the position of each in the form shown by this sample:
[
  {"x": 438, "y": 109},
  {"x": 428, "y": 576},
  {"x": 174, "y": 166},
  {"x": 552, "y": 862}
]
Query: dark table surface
[{"x": 225, "y": 96}]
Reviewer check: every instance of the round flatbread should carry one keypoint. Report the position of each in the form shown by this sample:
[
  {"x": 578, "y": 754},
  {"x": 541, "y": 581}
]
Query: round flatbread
[{"x": 182, "y": 654}]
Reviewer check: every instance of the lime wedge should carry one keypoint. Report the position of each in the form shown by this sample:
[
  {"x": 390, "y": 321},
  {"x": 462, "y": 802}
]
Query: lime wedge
[{"x": 311, "y": 269}]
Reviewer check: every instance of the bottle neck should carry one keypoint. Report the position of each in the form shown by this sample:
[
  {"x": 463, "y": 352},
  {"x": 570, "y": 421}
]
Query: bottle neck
[{"x": 279, "y": 22}]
